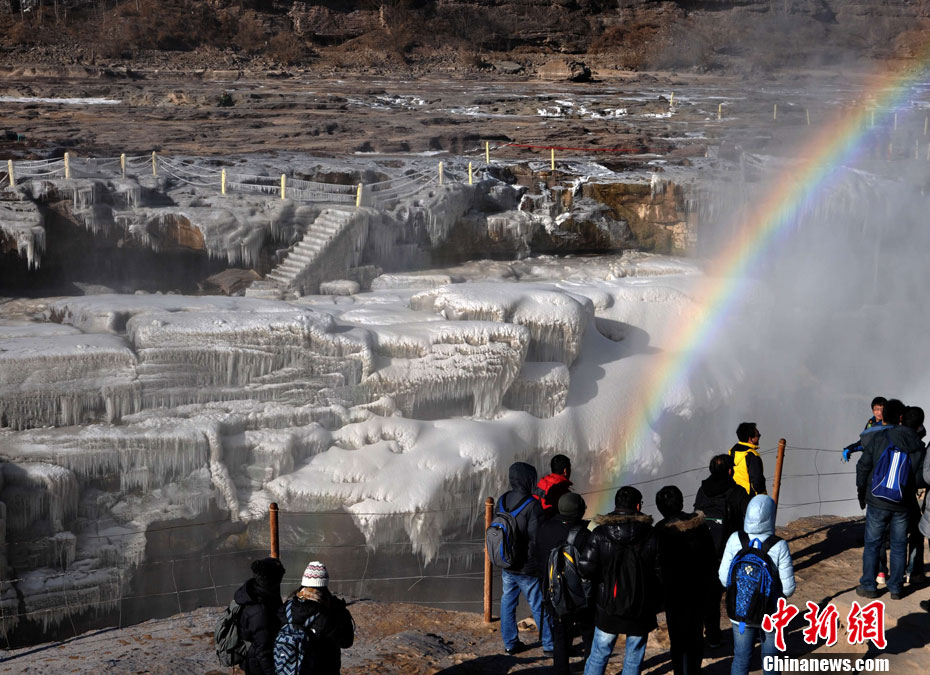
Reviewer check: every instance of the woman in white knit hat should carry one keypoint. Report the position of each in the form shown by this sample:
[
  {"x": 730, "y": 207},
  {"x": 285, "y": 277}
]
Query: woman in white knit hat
[{"x": 322, "y": 617}]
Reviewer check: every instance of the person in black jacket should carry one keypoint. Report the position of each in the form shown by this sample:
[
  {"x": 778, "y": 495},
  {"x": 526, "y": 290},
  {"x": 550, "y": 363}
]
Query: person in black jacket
[
  {"x": 552, "y": 534},
  {"x": 689, "y": 566},
  {"x": 333, "y": 628},
  {"x": 524, "y": 577},
  {"x": 723, "y": 504},
  {"x": 624, "y": 537},
  {"x": 260, "y": 598},
  {"x": 883, "y": 516}
]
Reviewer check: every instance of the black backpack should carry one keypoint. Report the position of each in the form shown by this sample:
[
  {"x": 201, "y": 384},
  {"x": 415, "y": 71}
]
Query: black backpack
[
  {"x": 503, "y": 536},
  {"x": 753, "y": 582},
  {"x": 623, "y": 590},
  {"x": 566, "y": 589},
  {"x": 231, "y": 649}
]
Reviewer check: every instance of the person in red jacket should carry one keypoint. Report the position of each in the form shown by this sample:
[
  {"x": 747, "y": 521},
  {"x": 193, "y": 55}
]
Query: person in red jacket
[{"x": 551, "y": 487}]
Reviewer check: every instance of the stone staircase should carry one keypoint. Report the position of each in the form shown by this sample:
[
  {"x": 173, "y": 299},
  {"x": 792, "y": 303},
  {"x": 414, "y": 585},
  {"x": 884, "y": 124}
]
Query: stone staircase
[{"x": 296, "y": 273}]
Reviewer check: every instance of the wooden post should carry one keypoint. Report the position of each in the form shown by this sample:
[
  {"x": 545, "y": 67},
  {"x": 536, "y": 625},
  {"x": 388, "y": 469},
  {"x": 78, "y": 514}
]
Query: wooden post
[
  {"x": 223, "y": 181},
  {"x": 154, "y": 165},
  {"x": 488, "y": 515},
  {"x": 487, "y": 152},
  {"x": 671, "y": 100},
  {"x": 283, "y": 183},
  {"x": 470, "y": 182},
  {"x": 9, "y": 172},
  {"x": 440, "y": 173},
  {"x": 720, "y": 111},
  {"x": 122, "y": 163},
  {"x": 358, "y": 196},
  {"x": 273, "y": 524},
  {"x": 779, "y": 461},
  {"x": 67, "y": 166}
]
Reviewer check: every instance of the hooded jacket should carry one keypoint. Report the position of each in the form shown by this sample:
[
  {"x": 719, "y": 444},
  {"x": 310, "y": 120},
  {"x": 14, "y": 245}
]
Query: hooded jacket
[
  {"x": 687, "y": 559},
  {"x": 760, "y": 524},
  {"x": 333, "y": 627},
  {"x": 259, "y": 624},
  {"x": 549, "y": 489},
  {"x": 747, "y": 468},
  {"x": 522, "y": 482},
  {"x": 873, "y": 445},
  {"x": 723, "y": 504},
  {"x": 622, "y": 527}
]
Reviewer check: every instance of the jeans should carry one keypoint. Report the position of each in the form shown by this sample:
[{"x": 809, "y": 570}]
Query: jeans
[
  {"x": 744, "y": 643},
  {"x": 877, "y": 522},
  {"x": 513, "y": 584},
  {"x": 603, "y": 645}
]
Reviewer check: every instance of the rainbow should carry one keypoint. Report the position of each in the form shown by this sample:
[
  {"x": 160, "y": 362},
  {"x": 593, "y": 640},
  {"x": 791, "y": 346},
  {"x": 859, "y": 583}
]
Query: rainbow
[{"x": 837, "y": 144}]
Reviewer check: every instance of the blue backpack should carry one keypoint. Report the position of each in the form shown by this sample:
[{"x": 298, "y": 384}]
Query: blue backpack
[
  {"x": 891, "y": 475},
  {"x": 753, "y": 584},
  {"x": 292, "y": 647},
  {"x": 500, "y": 539}
]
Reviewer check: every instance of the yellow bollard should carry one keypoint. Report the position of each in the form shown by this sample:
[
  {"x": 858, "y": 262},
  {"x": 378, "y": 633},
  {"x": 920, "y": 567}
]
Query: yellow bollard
[
  {"x": 122, "y": 163},
  {"x": 358, "y": 196},
  {"x": 223, "y": 181},
  {"x": 9, "y": 172},
  {"x": 67, "y": 167},
  {"x": 154, "y": 169},
  {"x": 469, "y": 174},
  {"x": 720, "y": 111},
  {"x": 808, "y": 113},
  {"x": 440, "y": 173},
  {"x": 775, "y": 112},
  {"x": 552, "y": 159},
  {"x": 283, "y": 183},
  {"x": 671, "y": 100},
  {"x": 487, "y": 152}
]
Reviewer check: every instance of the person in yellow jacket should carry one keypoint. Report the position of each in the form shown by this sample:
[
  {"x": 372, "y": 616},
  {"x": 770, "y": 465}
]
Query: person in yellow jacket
[{"x": 747, "y": 464}]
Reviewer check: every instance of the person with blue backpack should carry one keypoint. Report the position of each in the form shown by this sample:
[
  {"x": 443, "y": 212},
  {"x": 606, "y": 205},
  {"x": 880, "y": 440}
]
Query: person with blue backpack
[
  {"x": 756, "y": 570},
  {"x": 315, "y": 627},
  {"x": 511, "y": 546},
  {"x": 888, "y": 474}
]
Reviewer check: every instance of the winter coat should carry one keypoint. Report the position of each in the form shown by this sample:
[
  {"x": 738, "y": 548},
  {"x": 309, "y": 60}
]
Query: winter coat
[
  {"x": 925, "y": 519},
  {"x": 259, "y": 624},
  {"x": 623, "y": 527},
  {"x": 723, "y": 504},
  {"x": 334, "y": 631},
  {"x": 553, "y": 533},
  {"x": 549, "y": 489},
  {"x": 873, "y": 445},
  {"x": 747, "y": 468},
  {"x": 688, "y": 561},
  {"x": 760, "y": 524},
  {"x": 522, "y": 481}
]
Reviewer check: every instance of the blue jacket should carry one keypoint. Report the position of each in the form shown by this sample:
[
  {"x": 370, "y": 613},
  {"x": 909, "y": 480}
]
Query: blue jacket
[{"x": 760, "y": 524}]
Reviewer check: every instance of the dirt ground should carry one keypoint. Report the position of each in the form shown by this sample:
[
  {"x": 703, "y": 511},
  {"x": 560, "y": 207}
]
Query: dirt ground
[{"x": 396, "y": 638}]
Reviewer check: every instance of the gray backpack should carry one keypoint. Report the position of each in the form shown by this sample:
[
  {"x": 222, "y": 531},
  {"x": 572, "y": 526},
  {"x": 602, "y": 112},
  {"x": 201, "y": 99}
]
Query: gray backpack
[{"x": 231, "y": 649}]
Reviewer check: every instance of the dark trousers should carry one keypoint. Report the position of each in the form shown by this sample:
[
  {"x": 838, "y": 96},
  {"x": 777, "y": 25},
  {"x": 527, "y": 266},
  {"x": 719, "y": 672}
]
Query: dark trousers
[
  {"x": 564, "y": 630},
  {"x": 686, "y": 639},
  {"x": 712, "y": 613}
]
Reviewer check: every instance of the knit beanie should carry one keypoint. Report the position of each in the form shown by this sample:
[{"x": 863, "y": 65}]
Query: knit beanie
[
  {"x": 571, "y": 505},
  {"x": 315, "y": 576}
]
